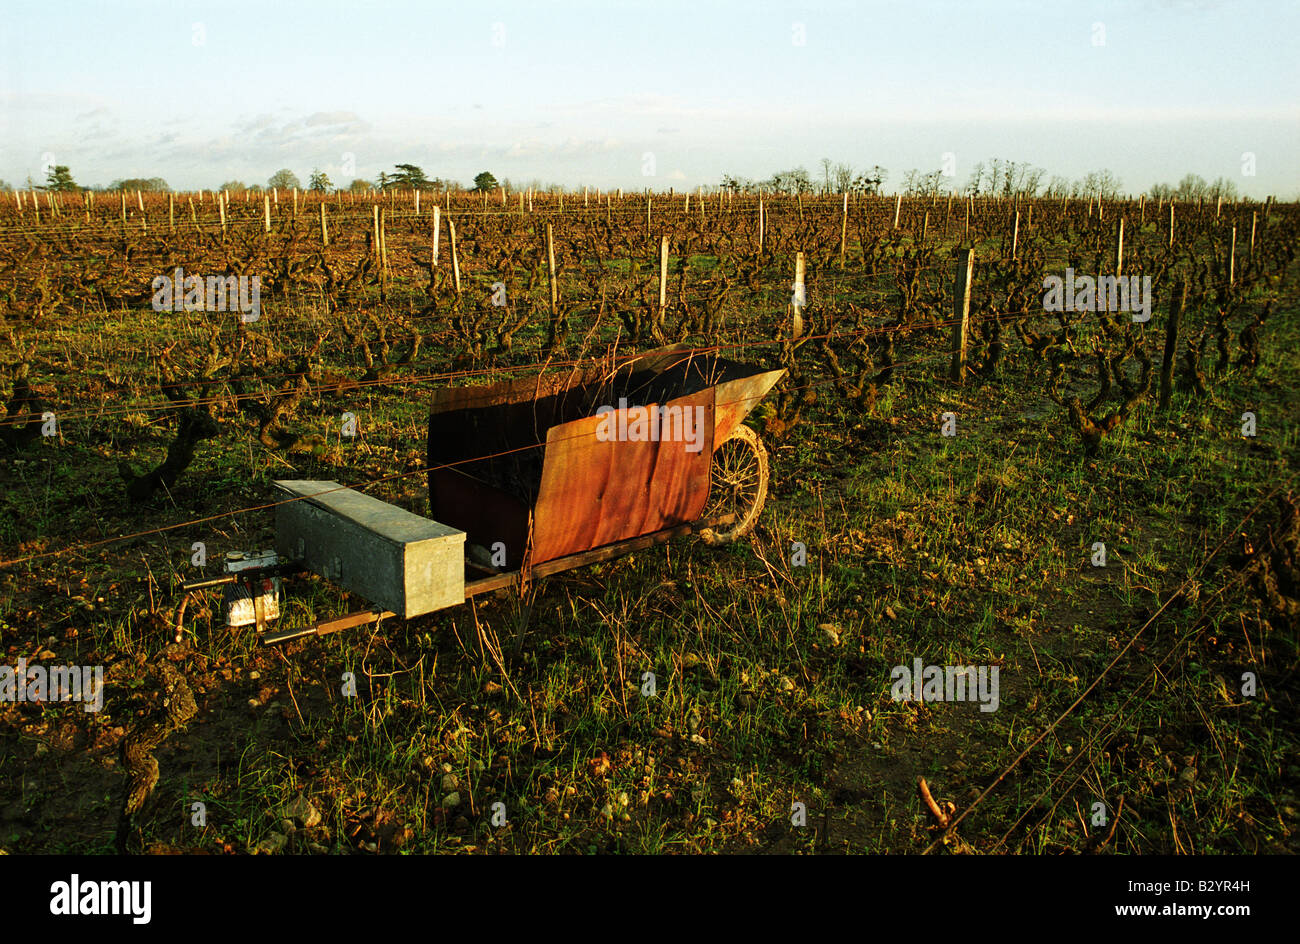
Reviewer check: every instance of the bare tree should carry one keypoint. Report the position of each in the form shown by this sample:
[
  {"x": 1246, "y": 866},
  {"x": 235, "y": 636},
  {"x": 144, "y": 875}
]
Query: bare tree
[{"x": 843, "y": 176}]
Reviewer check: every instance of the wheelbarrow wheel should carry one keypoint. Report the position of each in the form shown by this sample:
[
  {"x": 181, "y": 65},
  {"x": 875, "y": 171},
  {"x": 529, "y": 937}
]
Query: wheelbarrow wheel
[{"x": 737, "y": 486}]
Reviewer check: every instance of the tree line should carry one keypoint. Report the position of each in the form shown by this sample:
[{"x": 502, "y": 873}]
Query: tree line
[{"x": 991, "y": 177}]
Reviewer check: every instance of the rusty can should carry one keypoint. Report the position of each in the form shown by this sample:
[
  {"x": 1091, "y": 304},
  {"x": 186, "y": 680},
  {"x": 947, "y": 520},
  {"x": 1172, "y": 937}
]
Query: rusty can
[{"x": 254, "y": 600}]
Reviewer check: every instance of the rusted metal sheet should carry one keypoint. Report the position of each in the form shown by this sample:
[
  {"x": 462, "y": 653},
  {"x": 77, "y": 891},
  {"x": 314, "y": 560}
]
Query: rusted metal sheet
[{"x": 596, "y": 492}]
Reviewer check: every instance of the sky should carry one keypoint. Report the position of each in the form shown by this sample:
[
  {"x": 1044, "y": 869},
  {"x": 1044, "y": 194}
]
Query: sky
[{"x": 630, "y": 94}]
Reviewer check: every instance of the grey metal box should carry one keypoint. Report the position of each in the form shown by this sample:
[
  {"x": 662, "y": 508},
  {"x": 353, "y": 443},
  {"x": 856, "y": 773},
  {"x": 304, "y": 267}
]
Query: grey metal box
[{"x": 400, "y": 561}]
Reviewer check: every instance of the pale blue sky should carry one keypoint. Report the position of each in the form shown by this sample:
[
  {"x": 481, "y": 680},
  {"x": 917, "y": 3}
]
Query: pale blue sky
[{"x": 578, "y": 92}]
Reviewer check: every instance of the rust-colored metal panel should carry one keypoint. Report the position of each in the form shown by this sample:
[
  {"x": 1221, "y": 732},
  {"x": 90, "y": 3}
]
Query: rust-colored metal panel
[
  {"x": 595, "y": 492},
  {"x": 736, "y": 398}
]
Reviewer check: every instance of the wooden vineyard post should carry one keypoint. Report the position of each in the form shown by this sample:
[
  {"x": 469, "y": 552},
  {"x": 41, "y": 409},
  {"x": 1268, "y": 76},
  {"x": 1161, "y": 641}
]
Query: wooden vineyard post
[
  {"x": 1176, "y": 303},
  {"x": 1142, "y": 212},
  {"x": 961, "y": 313},
  {"x": 139, "y": 199},
  {"x": 1015, "y": 236},
  {"x": 221, "y": 211},
  {"x": 455, "y": 259},
  {"x": 194, "y": 216},
  {"x": 550, "y": 272},
  {"x": 122, "y": 195},
  {"x": 295, "y": 203},
  {"x": 1119, "y": 249},
  {"x": 1232, "y": 257},
  {"x": 925, "y": 226},
  {"x": 437, "y": 212},
  {"x": 647, "y": 213},
  {"x": 171, "y": 212},
  {"x": 1218, "y": 207},
  {"x": 1254, "y": 218},
  {"x": 324, "y": 228},
  {"x": 844, "y": 227},
  {"x": 663, "y": 282},
  {"x": 266, "y": 213},
  {"x": 1171, "y": 224},
  {"x": 417, "y": 202},
  {"x": 798, "y": 297},
  {"x": 374, "y": 230},
  {"x": 760, "y": 223},
  {"x": 383, "y": 248},
  {"x": 898, "y": 205}
]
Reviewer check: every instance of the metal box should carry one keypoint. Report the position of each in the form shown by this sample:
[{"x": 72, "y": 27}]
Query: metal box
[{"x": 400, "y": 561}]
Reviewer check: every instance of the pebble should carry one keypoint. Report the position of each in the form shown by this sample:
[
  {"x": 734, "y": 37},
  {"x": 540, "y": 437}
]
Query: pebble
[
  {"x": 450, "y": 783},
  {"x": 272, "y": 844},
  {"x": 451, "y": 801},
  {"x": 301, "y": 809},
  {"x": 831, "y": 632}
]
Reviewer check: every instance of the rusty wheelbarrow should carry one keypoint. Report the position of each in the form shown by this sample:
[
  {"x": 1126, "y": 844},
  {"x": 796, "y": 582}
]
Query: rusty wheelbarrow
[{"x": 528, "y": 478}]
